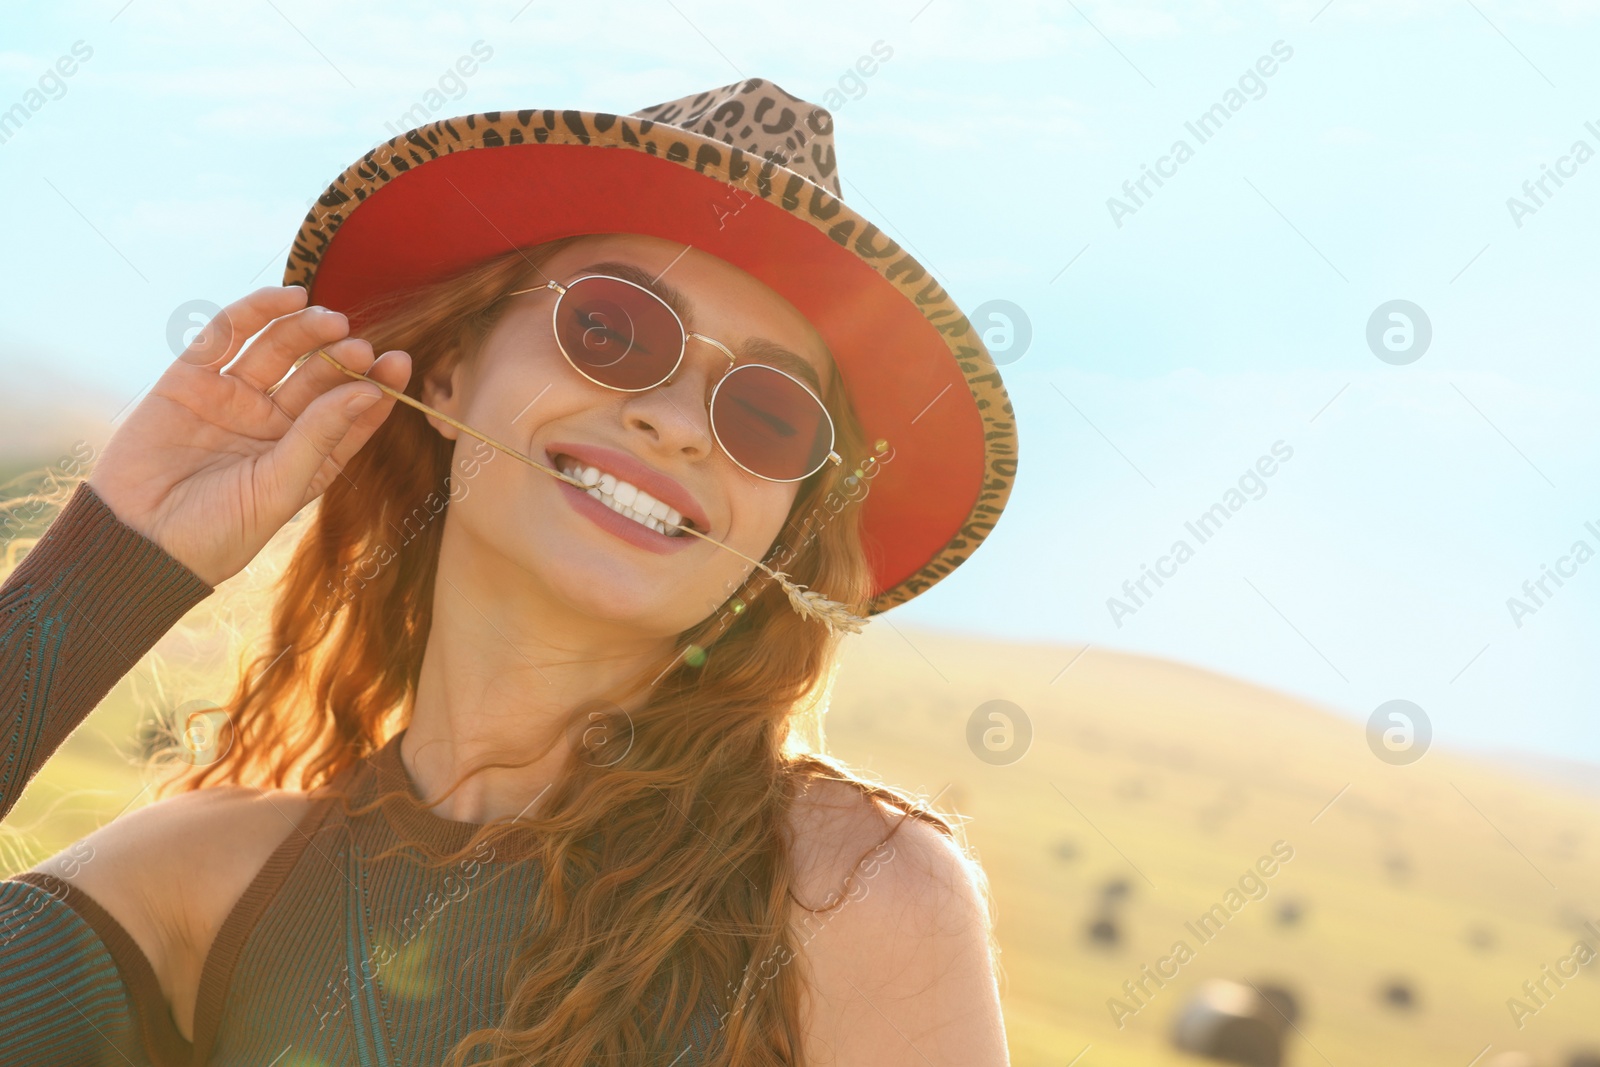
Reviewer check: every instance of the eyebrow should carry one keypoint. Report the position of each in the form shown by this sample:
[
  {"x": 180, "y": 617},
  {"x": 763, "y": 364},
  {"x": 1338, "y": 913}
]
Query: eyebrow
[{"x": 755, "y": 348}]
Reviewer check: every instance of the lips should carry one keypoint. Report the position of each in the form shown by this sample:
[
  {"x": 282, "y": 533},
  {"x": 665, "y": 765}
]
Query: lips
[{"x": 629, "y": 469}]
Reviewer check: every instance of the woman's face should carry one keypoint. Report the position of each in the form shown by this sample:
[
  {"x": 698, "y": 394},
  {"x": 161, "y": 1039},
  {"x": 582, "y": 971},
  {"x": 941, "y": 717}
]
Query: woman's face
[{"x": 543, "y": 537}]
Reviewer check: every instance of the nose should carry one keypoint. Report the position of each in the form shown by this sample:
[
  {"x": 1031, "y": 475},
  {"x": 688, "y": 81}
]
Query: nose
[{"x": 676, "y": 414}]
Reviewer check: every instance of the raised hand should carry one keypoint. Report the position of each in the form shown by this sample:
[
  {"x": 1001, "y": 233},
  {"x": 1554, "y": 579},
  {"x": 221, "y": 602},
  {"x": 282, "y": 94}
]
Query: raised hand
[{"x": 214, "y": 460}]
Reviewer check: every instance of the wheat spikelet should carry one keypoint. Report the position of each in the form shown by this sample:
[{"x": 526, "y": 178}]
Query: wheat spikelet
[{"x": 813, "y": 605}]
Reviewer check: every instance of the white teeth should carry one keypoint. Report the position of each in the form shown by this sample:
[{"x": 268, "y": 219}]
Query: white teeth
[{"x": 627, "y": 499}]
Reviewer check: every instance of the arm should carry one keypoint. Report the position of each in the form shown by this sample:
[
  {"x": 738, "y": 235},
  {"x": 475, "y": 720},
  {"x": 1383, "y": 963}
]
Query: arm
[
  {"x": 62, "y": 998},
  {"x": 86, "y": 602},
  {"x": 231, "y": 441}
]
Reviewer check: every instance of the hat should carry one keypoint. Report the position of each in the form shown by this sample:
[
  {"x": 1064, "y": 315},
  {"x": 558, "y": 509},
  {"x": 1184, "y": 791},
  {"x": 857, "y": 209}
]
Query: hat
[{"x": 748, "y": 173}]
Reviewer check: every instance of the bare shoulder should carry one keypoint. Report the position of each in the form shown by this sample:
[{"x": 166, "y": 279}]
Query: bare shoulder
[
  {"x": 847, "y": 843},
  {"x": 893, "y": 928},
  {"x": 170, "y": 872}
]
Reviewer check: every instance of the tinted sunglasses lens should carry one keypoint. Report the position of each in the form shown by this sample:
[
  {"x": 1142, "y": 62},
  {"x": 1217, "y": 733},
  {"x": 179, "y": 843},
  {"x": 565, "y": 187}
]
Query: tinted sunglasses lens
[
  {"x": 770, "y": 423},
  {"x": 618, "y": 334}
]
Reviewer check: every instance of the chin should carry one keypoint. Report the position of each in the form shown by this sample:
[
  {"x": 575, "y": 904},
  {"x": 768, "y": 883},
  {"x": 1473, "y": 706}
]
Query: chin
[{"x": 609, "y": 594}]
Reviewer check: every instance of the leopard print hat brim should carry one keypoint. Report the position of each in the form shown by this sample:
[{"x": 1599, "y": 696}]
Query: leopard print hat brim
[{"x": 748, "y": 173}]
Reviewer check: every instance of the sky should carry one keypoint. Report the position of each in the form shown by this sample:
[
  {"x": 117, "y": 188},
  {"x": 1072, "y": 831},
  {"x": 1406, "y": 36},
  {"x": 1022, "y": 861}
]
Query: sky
[{"x": 1350, "y": 276}]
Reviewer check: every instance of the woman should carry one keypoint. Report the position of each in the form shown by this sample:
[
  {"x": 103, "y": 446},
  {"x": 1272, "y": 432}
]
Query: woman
[{"x": 519, "y": 779}]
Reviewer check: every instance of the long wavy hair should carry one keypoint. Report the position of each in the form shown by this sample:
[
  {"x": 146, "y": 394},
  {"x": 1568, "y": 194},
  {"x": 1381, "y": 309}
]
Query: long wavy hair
[{"x": 726, "y": 737}]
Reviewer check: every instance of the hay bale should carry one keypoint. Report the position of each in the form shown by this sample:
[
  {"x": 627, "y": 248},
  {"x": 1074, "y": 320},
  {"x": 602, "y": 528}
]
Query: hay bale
[
  {"x": 1230, "y": 1022},
  {"x": 1283, "y": 1001},
  {"x": 1116, "y": 889},
  {"x": 1105, "y": 932},
  {"x": 1399, "y": 995}
]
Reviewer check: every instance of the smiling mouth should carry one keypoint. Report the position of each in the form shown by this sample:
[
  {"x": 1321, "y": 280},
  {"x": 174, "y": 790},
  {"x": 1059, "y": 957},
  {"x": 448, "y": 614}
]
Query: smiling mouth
[{"x": 625, "y": 498}]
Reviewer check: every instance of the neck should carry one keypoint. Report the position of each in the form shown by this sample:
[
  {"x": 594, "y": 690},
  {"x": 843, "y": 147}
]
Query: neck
[{"x": 503, "y": 666}]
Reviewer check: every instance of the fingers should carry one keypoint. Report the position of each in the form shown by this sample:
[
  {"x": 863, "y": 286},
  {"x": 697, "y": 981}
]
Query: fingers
[
  {"x": 316, "y": 375},
  {"x": 270, "y": 356},
  {"x": 222, "y": 337},
  {"x": 326, "y": 433},
  {"x": 287, "y": 471},
  {"x": 392, "y": 369}
]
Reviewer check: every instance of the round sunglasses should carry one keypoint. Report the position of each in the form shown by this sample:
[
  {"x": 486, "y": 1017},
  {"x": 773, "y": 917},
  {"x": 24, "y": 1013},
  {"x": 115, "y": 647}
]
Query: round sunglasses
[{"x": 623, "y": 336}]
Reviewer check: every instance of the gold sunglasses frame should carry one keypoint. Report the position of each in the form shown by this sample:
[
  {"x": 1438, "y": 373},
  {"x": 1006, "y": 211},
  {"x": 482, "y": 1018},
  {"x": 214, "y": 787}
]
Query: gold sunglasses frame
[{"x": 683, "y": 349}]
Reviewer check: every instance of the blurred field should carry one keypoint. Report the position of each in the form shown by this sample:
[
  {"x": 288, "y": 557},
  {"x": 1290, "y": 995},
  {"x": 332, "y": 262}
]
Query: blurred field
[
  {"x": 1175, "y": 781},
  {"x": 1193, "y": 776}
]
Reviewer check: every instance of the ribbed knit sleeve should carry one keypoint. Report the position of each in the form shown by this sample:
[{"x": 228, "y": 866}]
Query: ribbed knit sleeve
[
  {"x": 84, "y": 605},
  {"x": 62, "y": 999}
]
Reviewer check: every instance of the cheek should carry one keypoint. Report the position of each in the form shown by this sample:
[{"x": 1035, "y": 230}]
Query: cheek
[
  {"x": 515, "y": 379},
  {"x": 761, "y": 514},
  {"x": 518, "y": 393}
]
